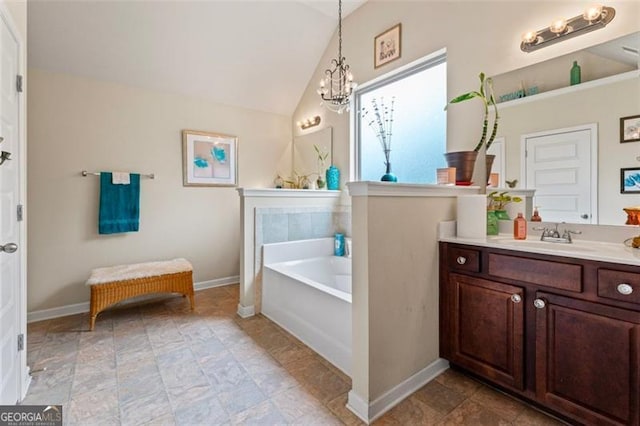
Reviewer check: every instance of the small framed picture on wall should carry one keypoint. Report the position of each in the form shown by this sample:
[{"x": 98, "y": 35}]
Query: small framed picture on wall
[
  {"x": 630, "y": 180},
  {"x": 387, "y": 46},
  {"x": 630, "y": 129}
]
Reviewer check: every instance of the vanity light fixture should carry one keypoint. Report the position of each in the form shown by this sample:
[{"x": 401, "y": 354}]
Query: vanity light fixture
[
  {"x": 309, "y": 122},
  {"x": 593, "y": 18},
  {"x": 337, "y": 85}
]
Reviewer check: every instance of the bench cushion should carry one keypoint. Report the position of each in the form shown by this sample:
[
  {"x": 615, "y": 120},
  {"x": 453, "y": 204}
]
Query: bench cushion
[{"x": 138, "y": 270}]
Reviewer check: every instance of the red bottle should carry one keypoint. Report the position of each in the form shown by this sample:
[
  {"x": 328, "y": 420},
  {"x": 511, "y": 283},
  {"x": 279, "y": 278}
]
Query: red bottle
[{"x": 520, "y": 227}]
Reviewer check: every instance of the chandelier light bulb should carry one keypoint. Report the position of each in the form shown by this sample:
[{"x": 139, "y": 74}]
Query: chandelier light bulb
[
  {"x": 529, "y": 37},
  {"x": 593, "y": 12},
  {"x": 558, "y": 26}
]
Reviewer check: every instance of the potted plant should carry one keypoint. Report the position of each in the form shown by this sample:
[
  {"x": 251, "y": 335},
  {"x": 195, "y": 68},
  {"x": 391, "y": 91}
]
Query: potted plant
[
  {"x": 464, "y": 161},
  {"x": 497, "y": 202},
  {"x": 322, "y": 157},
  {"x": 380, "y": 120}
]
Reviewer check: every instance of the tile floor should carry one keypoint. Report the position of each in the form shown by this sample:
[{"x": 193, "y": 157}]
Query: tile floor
[{"x": 161, "y": 364}]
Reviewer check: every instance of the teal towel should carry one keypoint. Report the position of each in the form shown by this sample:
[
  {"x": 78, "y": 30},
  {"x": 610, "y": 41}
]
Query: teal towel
[{"x": 119, "y": 205}]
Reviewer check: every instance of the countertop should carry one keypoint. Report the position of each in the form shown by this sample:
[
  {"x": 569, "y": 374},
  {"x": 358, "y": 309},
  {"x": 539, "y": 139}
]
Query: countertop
[{"x": 581, "y": 249}]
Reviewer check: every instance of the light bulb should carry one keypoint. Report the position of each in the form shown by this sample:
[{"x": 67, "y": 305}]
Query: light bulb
[
  {"x": 529, "y": 37},
  {"x": 558, "y": 26},
  {"x": 593, "y": 12},
  {"x": 322, "y": 83},
  {"x": 299, "y": 124}
]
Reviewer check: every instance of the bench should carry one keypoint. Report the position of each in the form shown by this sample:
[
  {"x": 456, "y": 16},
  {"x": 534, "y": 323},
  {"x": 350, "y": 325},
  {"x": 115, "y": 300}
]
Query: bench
[{"x": 116, "y": 283}]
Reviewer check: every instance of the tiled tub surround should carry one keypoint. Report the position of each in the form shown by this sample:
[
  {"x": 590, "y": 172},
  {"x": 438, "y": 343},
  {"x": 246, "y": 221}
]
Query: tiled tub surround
[
  {"x": 275, "y": 215},
  {"x": 281, "y": 224},
  {"x": 161, "y": 364},
  {"x": 307, "y": 291}
]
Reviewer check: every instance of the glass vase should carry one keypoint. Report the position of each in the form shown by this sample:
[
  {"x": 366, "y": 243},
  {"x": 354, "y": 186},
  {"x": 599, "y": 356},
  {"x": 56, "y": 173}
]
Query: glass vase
[
  {"x": 492, "y": 223},
  {"x": 388, "y": 176}
]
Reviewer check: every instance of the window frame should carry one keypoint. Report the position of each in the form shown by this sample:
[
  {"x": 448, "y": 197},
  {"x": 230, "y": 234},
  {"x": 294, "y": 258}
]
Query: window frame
[{"x": 428, "y": 61}]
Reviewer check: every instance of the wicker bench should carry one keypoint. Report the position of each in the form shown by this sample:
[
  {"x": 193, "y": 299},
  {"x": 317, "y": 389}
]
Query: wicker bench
[{"x": 114, "y": 284}]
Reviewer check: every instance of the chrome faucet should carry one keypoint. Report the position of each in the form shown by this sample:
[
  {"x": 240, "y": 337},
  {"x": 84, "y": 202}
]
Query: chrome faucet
[{"x": 552, "y": 235}]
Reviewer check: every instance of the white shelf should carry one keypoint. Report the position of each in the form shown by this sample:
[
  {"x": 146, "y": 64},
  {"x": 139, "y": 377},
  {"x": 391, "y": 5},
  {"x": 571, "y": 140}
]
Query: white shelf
[{"x": 571, "y": 89}]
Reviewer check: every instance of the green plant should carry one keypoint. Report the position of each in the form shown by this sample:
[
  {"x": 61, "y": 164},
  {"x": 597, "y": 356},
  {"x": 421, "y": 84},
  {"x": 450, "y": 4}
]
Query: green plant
[
  {"x": 485, "y": 94},
  {"x": 499, "y": 200}
]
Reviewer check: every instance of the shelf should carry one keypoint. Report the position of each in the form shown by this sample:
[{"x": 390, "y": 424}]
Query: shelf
[{"x": 571, "y": 89}]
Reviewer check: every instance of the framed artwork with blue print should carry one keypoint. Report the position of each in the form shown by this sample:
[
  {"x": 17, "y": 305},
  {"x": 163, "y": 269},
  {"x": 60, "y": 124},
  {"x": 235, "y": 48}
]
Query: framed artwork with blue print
[
  {"x": 630, "y": 180},
  {"x": 209, "y": 159}
]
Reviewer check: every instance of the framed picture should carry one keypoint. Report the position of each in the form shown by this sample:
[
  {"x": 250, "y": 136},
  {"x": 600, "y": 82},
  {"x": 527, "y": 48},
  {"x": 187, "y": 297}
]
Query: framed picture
[
  {"x": 630, "y": 180},
  {"x": 630, "y": 129},
  {"x": 387, "y": 46},
  {"x": 209, "y": 159}
]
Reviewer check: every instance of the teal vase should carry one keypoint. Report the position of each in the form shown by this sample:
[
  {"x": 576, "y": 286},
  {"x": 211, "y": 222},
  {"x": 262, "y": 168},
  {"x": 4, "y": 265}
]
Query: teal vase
[
  {"x": 492, "y": 223},
  {"x": 388, "y": 176},
  {"x": 333, "y": 178}
]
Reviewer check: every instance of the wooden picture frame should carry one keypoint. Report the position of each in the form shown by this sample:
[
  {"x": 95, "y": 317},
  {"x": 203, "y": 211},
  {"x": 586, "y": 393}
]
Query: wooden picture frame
[
  {"x": 387, "y": 46},
  {"x": 209, "y": 159},
  {"x": 630, "y": 180},
  {"x": 630, "y": 129}
]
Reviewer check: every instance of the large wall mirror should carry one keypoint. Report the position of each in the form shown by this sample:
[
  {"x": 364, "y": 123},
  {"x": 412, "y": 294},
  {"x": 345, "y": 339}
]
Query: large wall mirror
[
  {"x": 610, "y": 90},
  {"x": 305, "y": 156}
]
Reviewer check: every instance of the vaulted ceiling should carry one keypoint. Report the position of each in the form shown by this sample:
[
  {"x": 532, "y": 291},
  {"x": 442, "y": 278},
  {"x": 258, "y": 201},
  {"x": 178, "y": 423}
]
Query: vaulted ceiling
[{"x": 255, "y": 54}]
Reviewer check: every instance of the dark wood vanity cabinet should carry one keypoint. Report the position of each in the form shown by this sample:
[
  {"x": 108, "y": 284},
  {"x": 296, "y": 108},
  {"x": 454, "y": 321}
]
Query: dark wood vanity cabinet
[
  {"x": 561, "y": 332},
  {"x": 484, "y": 311}
]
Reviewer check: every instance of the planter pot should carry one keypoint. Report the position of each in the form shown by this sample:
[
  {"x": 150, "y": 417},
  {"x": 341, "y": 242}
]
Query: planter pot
[
  {"x": 464, "y": 162},
  {"x": 492, "y": 223}
]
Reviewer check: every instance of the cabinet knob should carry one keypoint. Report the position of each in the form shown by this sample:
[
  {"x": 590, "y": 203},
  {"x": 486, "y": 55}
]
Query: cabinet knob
[
  {"x": 625, "y": 289},
  {"x": 515, "y": 298},
  {"x": 461, "y": 260},
  {"x": 539, "y": 303}
]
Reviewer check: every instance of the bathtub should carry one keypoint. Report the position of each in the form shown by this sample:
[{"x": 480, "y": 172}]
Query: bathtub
[{"x": 307, "y": 291}]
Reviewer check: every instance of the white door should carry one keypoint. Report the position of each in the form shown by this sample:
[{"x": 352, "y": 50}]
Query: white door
[
  {"x": 10, "y": 367},
  {"x": 561, "y": 165}
]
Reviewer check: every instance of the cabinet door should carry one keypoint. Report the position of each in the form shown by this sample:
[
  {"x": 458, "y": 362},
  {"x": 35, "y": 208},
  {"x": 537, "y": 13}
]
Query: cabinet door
[
  {"x": 487, "y": 328},
  {"x": 588, "y": 360}
]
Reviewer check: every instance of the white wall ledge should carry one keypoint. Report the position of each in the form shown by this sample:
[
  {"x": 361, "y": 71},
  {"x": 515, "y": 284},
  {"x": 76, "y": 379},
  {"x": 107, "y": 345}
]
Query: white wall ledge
[
  {"x": 288, "y": 193},
  {"x": 389, "y": 189}
]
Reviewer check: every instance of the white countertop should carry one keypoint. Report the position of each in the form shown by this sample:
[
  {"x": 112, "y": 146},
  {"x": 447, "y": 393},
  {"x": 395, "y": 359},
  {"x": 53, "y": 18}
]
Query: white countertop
[{"x": 581, "y": 249}]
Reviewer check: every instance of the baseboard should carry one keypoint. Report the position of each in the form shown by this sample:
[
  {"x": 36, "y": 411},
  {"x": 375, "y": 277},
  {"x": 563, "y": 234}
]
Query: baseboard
[
  {"x": 80, "y": 308},
  {"x": 370, "y": 412},
  {"x": 246, "y": 311},
  {"x": 220, "y": 282}
]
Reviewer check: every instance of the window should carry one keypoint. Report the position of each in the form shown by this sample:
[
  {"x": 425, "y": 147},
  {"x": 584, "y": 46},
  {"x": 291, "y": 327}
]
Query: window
[{"x": 419, "y": 134}]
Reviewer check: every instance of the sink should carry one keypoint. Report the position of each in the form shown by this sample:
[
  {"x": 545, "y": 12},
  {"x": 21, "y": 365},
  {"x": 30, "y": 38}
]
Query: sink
[{"x": 575, "y": 246}]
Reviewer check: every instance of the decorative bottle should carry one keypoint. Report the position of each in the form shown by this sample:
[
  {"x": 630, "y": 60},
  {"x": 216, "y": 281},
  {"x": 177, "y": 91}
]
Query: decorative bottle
[
  {"x": 575, "y": 73},
  {"x": 520, "y": 227},
  {"x": 333, "y": 178},
  {"x": 536, "y": 217},
  {"x": 338, "y": 249}
]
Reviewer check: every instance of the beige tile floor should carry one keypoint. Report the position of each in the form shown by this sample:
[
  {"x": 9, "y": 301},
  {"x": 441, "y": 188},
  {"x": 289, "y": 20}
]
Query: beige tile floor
[{"x": 161, "y": 364}]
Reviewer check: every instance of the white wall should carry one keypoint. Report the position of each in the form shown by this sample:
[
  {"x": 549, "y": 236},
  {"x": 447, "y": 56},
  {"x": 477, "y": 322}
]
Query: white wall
[
  {"x": 77, "y": 123},
  {"x": 478, "y": 35}
]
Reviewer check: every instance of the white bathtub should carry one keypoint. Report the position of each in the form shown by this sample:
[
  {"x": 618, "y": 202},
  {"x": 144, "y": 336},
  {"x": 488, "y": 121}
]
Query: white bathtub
[{"x": 307, "y": 291}]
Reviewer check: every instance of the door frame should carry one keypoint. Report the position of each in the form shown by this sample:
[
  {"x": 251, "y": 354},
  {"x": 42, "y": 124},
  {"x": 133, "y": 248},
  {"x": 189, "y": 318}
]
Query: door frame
[
  {"x": 23, "y": 373},
  {"x": 593, "y": 128}
]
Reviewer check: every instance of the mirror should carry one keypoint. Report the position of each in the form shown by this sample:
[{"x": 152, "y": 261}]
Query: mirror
[
  {"x": 610, "y": 90},
  {"x": 305, "y": 156}
]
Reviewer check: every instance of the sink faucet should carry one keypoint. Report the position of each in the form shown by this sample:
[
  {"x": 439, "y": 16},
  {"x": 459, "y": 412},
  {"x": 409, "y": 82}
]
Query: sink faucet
[{"x": 553, "y": 235}]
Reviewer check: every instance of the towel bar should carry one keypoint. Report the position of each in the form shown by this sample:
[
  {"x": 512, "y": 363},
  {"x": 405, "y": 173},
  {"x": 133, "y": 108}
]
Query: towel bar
[{"x": 86, "y": 173}]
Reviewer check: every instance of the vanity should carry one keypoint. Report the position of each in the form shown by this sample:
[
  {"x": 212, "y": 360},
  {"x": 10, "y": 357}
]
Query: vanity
[{"x": 555, "y": 324}]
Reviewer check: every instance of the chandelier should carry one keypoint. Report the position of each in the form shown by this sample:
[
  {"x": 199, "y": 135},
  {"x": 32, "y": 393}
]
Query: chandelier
[{"x": 337, "y": 85}]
